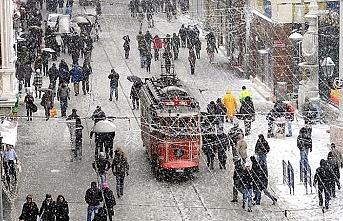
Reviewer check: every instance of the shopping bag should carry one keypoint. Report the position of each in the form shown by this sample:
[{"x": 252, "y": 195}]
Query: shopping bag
[
  {"x": 53, "y": 112},
  {"x": 34, "y": 108}
]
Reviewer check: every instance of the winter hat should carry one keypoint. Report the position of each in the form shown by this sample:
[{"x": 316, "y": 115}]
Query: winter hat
[
  {"x": 243, "y": 88},
  {"x": 330, "y": 154},
  {"x": 101, "y": 154},
  {"x": 48, "y": 196},
  {"x": 104, "y": 185},
  {"x": 73, "y": 110},
  {"x": 333, "y": 145},
  {"x": 260, "y": 136}
]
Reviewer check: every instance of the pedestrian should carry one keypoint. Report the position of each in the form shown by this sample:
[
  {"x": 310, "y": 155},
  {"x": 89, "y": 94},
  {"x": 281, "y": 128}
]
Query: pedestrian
[
  {"x": 210, "y": 49},
  {"x": 126, "y": 46},
  {"x": 222, "y": 144},
  {"x": 114, "y": 82},
  {"x": 230, "y": 103},
  {"x": 233, "y": 137},
  {"x": 37, "y": 83},
  {"x": 45, "y": 62},
  {"x": 120, "y": 169},
  {"x": 61, "y": 209},
  {"x": 337, "y": 155},
  {"x": 183, "y": 35},
  {"x": 242, "y": 148},
  {"x": 289, "y": 117},
  {"x": 110, "y": 201},
  {"x": 53, "y": 74},
  {"x": 63, "y": 95},
  {"x": 247, "y": 186},
  {"x": 76, "y": 78},
  {"x": 304, "y": 143},
  {"x": 27, "y": 75},
  {"x": 335, "y": 174},
  {"x": 322, "y": 180},
  {"x": 38, "y": 63},
  {"x": 101, "y": 165},
  {"x": 262, "y": 149},
  {"x": 109, "y": 137},
  {"x": 63, "y": 70},
  {"x": 167, "y": 56},
  {"x": 60, "y": 6},
  {"x": 192, "y": 59},
  {"x": 29, "y": 105},
  {"x": 197, "y": 47},
  {"x": 244, "y": 93},
  {"x": 148, "y": 62},
  {"x": 175, "y": 43},
  {"x": 260, "y": 181},
  {"x": 247, "y": 112},
  {"x": 93, "y": 197},
  {"x": 75, "y": 131},
  {"x": 47, "y": 102},
  {"x": 209, "y": 148},
  {"x": 237, "y": 175},
  {"x": 47, "y": 209},
  {"x": 30, "y": 210},
  {"x": 221, "y": 112},
  {"x": 157, "y": 45},
  {"x": 86, "y": 70},
  {"x": 148, "y": 38},
  {"x": 9, "y": 162},
  {"x": 134, "y": 95},
  {"x": 98, "y": 115}
]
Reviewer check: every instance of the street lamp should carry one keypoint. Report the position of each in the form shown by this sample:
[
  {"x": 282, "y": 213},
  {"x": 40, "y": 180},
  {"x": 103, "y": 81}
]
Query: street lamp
[
  {"x": 296, "y": 39},
  {"x": 328, "y": 66}
]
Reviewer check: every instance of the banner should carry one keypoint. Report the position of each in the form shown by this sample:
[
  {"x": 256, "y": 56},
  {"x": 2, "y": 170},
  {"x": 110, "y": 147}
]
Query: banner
[{"x": 8, "y": 130}]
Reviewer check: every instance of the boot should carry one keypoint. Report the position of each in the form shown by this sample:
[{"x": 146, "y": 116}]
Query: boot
[{"x": 243, "y": 205}]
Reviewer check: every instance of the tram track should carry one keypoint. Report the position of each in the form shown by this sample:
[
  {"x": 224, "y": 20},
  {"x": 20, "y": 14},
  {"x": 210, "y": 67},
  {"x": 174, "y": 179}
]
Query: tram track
[{"x": 172, "y": 189}]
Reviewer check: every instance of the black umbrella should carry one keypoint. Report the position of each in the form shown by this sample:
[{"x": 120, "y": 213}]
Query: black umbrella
[{"x": 135, "y": 79}]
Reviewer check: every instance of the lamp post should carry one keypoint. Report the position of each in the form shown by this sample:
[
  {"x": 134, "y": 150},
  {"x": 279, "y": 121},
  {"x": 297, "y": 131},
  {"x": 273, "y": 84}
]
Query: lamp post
[{"x": 296, "y": 39}]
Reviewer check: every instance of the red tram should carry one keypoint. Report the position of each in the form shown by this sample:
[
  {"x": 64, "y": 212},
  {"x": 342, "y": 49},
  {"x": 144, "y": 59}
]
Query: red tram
[{"x": 170, "y": 125}]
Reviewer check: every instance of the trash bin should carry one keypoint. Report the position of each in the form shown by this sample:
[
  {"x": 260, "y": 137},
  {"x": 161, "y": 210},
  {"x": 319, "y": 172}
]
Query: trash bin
[{"x": 281, "y": 91}]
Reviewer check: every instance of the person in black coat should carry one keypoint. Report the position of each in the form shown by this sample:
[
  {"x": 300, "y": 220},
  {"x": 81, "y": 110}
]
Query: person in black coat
[
  {"x": 237, "y": 174},
  {"x": 260, "y": 179},
  {"x": 109, "y": 137},
  {"x": 61, "y": 209},
  {"x": 233, "y": 137},
  {"x": 304, "y": 143},
  {"x": 101, "y": 166},
  {"x": 247, "y": 110},
  {"x": 335, "y": 177},
  {"x": 126, "y": 46},
  {"x": 30, "y": 210},
  {"x": 208, "y": 148},
  {"x": 247, "y": 186},
  {"x": 47, "y": 209},
  {"x": 222, "y": 143},
  {"x": 93, "y": 197},
  {"x": 261, "y": 149},
  {"x": 322, "y": 178},
  {"x": 110, "y": 201}
]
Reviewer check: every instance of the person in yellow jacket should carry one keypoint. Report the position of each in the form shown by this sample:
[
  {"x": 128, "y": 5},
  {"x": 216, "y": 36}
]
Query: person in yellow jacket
[
  {"x": 244, "y": 93},
  {"x": 231, "y": 105}
]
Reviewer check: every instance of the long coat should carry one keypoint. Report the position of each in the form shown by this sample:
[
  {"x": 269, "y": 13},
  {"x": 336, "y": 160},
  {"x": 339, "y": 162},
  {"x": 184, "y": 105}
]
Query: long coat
[{"x": 230, "y": 103}]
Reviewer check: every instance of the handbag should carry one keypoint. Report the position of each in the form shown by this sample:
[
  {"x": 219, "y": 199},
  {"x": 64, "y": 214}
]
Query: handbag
[
  {"x": 53, "y": 112},
  {"x": 34, "y": 108}
]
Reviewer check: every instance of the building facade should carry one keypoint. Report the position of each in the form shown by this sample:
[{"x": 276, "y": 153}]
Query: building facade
[{"x": 7, "y": 58}]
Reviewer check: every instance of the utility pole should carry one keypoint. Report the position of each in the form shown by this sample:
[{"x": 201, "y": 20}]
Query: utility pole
[{"x": 247, "y": 40}]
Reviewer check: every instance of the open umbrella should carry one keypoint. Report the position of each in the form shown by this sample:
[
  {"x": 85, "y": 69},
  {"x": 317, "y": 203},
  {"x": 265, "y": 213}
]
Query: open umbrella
[
  {"x": 50, "y": 50},
  {"x": 104, "y": 126},
  {"x": 135, "y": 79},
  {"x": 34, "y": 27},
  {"x": 80, "y": 20},
  {"x": 45, "y": 89}
]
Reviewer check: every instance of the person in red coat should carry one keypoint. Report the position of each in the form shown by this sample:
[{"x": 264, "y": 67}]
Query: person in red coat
[{"x": 157, "y": 45}]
